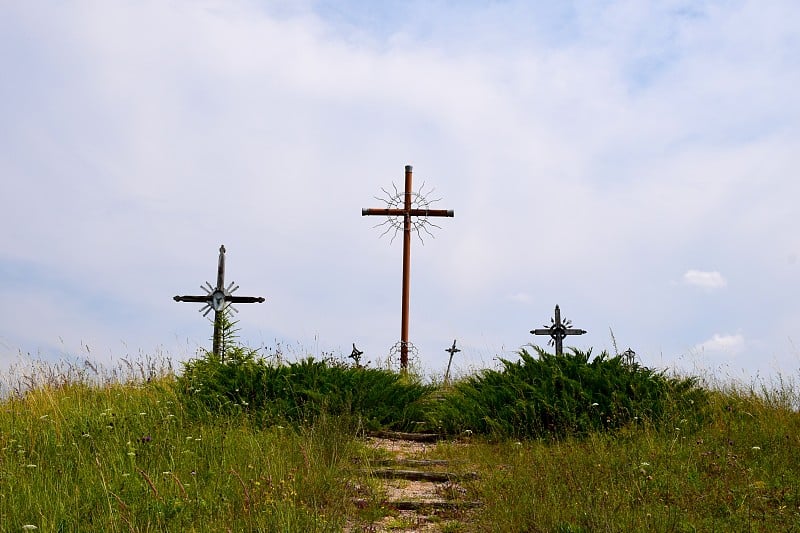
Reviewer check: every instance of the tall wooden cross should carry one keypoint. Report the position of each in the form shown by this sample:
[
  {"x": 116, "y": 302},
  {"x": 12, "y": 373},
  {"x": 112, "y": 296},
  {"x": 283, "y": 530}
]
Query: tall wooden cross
[
  {"x": 558, "y": 330},
  {"x": 407, "y": 211},
  {"x": 219, "y": 298}
]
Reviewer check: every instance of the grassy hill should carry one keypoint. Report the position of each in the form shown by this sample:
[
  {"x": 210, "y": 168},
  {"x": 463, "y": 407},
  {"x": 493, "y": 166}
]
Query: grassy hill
[{"x": 567, "y": 443}]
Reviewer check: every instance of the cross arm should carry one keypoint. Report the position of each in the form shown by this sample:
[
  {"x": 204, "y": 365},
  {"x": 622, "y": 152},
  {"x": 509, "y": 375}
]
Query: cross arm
[
  {"x": 245, "y": 299},
  {"x": 194, "y": 299},
  {"x": 413, "y": 212},
  {"x": 548, "y": 331}
]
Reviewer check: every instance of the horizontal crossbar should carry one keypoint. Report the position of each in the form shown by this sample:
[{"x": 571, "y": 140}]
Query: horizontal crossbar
[
  {"x": 563, "y": 331},
  {"x": 412, "y": 212},
  {"x": 231, "y": 299}
]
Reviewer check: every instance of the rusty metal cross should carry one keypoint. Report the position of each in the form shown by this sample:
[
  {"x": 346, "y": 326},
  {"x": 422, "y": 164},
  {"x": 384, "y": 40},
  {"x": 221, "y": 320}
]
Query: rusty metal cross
[
  {"x": 558, "y": 330},
  {"x": 406, "y": 212},
  {"x": 218, "y": 299}
]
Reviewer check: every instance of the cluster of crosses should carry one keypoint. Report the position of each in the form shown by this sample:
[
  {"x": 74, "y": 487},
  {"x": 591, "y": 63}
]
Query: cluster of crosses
[{"x": 402, "y": 211}]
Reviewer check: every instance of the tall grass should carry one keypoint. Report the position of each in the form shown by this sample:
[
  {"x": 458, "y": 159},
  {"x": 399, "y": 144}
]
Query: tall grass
[{"x": 129, "y": 458}]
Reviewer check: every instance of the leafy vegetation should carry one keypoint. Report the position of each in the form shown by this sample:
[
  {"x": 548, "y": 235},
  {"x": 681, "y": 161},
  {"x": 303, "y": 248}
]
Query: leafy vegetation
[
  {"x": 300, "y": 392},
  {"x": 563, "y": 395}
]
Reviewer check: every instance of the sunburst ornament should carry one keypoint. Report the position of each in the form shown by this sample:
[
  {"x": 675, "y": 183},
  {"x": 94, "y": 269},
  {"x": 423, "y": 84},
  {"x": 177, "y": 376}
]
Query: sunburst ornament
[{"x": 420, "y": 203}]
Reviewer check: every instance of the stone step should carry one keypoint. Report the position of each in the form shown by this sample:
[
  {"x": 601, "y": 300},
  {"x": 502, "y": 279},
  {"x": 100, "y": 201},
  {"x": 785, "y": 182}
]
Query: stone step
[
  {"x": 419, "y": 475},
  {"x": 399, "y": 435}
]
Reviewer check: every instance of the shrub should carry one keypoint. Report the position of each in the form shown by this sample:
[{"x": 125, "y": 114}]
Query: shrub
[
  {"x": 301, "y": 391},
  {"x": 560, "y": 395}
]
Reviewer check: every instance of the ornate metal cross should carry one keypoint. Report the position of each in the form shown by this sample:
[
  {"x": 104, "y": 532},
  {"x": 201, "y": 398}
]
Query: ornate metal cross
[
  {"x": 355, "y": 355},
  {"x": 414, "y": 205},
  {"x": 219, "y": 298},
  {"x": 558, "y": 330}
]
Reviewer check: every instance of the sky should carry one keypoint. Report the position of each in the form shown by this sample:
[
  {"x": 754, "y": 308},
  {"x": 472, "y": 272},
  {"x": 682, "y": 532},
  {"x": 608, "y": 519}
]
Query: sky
[{"x": 633, "y": 162}]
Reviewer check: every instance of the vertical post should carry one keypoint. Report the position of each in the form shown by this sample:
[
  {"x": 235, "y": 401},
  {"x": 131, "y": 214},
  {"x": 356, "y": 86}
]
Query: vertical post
[
  {"x": 218, "y": 312},
  {"x": 406, "y": 270},
  {"x": 559, "y": 338}
]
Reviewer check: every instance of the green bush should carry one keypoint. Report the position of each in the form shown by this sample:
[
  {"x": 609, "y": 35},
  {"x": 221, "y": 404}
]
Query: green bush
[
  {"x": 561, "y": 395},
  {"x": 300, "y": 392}
]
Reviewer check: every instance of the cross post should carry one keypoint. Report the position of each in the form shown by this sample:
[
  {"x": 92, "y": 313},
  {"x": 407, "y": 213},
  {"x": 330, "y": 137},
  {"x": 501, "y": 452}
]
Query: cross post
[
  {"x": 406, "y": 212},
  {"x": 558, "y": 330},
  {"x": 218, "y": 299},
  {"x": 452, "y": 351}
]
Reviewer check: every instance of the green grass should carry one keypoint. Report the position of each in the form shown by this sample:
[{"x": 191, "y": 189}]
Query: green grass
[
  {"x": 128, "y": 458},
  {"x": 79, "y": 454},
  {"x": 740, "y": 472}
]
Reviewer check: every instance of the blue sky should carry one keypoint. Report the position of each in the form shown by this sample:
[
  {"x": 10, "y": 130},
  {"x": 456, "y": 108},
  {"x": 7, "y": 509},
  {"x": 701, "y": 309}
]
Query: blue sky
[{"x": 633, "y": 162}]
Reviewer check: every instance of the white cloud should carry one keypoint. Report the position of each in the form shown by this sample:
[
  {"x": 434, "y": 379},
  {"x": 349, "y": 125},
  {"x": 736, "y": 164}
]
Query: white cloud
[
  {"x": 705, "y": 280},
  {"x": 722, "y": 343},
  {"x": 520, "y": 297}
]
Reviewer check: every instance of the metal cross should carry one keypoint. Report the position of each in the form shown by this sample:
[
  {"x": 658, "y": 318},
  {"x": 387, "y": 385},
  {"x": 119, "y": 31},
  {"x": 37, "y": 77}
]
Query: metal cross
[
  {"x": 452, "y": 351},
  {"x": 355, "y": 355},
  {"x": 558, "y": 330},
  {"x": 218, "y": 299},
  {"x": 406, "y": 212}
]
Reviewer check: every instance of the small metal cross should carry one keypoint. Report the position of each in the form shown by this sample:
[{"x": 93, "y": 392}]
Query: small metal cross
[
  {"x": 406, "y": 212},
  {"x": 355, "y": 355},
  {"x": 558, "y": 330},
  {"x": 452, "y": 351},
  {"x": 218, "y": 299}
]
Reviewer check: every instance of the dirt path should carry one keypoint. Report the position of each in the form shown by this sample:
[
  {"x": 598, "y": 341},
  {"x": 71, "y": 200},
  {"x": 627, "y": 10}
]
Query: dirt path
[{"x": 422, "y": 495}]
